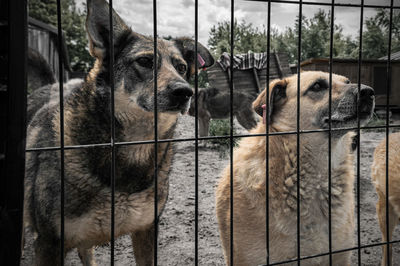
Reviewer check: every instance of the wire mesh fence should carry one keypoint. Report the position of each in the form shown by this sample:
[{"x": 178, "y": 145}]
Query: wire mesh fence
[{"x": 114, "y": 143}]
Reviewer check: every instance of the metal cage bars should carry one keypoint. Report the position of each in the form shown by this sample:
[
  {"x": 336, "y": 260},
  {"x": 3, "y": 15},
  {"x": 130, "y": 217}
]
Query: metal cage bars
[
  {"x": 298, "y": 131},
  {"x": 196, "y": 133},
  {"x": 155, "y": 132},
  {"x": 231, "y": 136},
  {"x": 267, "y": 136},
  {"x": 112, "y": 129},
  {"x": 74, "y": 147},
  {"x": 330, "y": 132},
  {"x": 388, "y": 85},
  {"x": 232, "y": 46},
  {"x": 358, "y": 134},
  {"x": 62, "y": 151}
]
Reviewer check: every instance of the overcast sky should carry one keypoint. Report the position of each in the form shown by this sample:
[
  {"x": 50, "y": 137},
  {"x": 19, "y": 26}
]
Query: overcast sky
[{"x": 176, "y": 17}]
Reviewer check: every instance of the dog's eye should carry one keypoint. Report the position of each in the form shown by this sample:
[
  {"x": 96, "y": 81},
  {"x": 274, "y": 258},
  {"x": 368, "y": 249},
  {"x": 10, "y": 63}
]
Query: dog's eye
[
  {"x": 146, "y": 62},
  {"x": 347, "y": 81},
  {"x": 319, "y": 86},
  {"x": 181, "y": 68}
]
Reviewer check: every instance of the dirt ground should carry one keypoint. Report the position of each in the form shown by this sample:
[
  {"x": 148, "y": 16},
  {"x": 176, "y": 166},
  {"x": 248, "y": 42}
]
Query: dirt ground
[{"x": 176, "y": 238}]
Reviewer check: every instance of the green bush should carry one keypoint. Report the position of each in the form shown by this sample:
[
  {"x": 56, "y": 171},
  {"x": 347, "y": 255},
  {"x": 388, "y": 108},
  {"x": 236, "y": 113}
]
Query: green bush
[{"x": 221, "y": 127}]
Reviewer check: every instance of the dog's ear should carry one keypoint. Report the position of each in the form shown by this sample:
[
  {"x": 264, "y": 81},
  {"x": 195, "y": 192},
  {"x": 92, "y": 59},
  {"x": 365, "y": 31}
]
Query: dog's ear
[
  {"x": 98, "y": 29},
  {"x": 277, "y": 90},
  {"x": 187, "y": 48}
]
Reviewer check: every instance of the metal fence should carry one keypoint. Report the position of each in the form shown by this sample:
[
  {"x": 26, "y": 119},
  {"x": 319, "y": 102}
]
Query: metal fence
[{"x": 113, "y": 144}]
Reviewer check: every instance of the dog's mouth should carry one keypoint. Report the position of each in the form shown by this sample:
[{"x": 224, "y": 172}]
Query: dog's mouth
[
  {"x": 346, "y": 113},
  {"x": 181, "y": 107},
  {"x": 165, "y": 104}
]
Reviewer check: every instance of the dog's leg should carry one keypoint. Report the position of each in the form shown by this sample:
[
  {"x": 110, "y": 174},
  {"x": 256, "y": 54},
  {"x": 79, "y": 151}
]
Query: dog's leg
[
  {"x": 143, "y": 246},
  {"x": 223, "y": 212},
  {"x": 393, "y": 221},
  {"x": 47, "y": 251},
  {"x": 204, "y": 124},
  {"x": 87, "y": 256},
  {"x": 246, "y": 118}
]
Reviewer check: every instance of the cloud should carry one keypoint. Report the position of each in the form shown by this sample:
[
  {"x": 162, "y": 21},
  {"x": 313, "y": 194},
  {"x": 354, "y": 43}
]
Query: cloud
[
  {"x": 176, "y": 17},
  {"x": 187, "y": 3}
]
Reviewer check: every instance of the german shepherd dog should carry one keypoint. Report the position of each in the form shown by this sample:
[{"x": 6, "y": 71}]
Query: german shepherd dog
[
  {"x": 88, "y": 121},
  {"x": 249, "y": 174}
]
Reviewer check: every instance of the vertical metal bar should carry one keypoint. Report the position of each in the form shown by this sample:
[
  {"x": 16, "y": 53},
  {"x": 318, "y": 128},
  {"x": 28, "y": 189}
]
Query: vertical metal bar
[
  {"x": 155, "y": 65},
  {"x": 62, "y": 152},
  {"x": 359, "y": 136},
  {"x": 298, "y": 131},
  {"x": 196, "y": 129},
  {"x": 388, "y": 85},
  {"x": 267, "y": 135},
  {"x": 112, "y": 141},
  {"x": 330, "y": 132},
  {"x": 231, "y": 125},
  {"x": 14, "y": 122}
]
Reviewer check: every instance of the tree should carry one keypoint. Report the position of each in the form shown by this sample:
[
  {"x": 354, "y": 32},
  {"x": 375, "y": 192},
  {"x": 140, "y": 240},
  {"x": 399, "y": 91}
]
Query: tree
[
  {"x": 383, "y": 18},
  {"x": 246, "y": 38},
  {"x": 315, "y": 38},
  {"x": 73, "y": 25},
  {"x": 374, "y": 40}
]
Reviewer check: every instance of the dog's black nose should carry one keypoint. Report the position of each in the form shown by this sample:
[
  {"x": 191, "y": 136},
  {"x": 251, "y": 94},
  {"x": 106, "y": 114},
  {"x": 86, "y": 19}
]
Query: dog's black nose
[
  {"x": 184, "y": 92},
  {"x": 180, "y": 92},
  {"x": 366, "y": 99},
  {"x": 366, "y": 93}
]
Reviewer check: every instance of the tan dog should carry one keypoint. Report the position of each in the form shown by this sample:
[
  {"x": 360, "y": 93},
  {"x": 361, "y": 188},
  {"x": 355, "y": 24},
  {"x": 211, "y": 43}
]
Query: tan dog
[
  {"x": 379, "y": 179},
  {"x": 249, "y": 175}
]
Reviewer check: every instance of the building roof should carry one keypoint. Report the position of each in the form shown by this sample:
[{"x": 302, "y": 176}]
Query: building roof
[
  {"x": 53, "y": 30},
  {"x": 393, "y": 56}
]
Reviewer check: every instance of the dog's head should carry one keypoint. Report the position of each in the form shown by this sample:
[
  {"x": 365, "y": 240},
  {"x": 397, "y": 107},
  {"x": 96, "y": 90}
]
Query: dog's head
[
  {"x": 314, "y": 102},
  {"x": 134, "y": 62}
]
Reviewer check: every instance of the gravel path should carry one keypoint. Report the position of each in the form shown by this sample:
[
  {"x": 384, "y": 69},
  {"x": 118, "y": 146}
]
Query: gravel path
[{"x": 176, "y": 239}]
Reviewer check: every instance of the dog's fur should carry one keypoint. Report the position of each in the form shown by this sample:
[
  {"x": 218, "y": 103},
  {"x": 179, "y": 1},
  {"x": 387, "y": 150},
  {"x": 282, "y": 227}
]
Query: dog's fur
[
  {"x": 87, "y": 121},
  {"x": 378, "y": 174},
  {"x": 249, "y": 175},
  {"x": 213, "y": 103},
  {"x": 47, "y": 93}
]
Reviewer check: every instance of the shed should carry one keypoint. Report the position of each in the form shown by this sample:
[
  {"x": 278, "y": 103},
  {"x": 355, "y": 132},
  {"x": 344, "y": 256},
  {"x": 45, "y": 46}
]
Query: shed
[
  {"x": 373, "y": 74},
  {"x": 43, "y": 38},
  {"x": 251, "y": 78}
]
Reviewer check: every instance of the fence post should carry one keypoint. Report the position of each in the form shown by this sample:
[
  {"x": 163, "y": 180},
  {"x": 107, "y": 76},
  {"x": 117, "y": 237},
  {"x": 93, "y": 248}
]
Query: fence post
[{"x": 13, "y": 123}]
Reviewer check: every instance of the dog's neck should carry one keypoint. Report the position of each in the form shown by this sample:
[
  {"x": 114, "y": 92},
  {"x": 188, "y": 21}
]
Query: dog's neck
[
  {"x": 314, "y": 161},
  {"x": 88, "y": 121}
]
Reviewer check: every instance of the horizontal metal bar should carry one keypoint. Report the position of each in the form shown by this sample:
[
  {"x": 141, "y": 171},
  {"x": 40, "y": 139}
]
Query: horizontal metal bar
[
  {"x": 336, "y": 252},
  {"x": 84, "y": 146},
  {"x": 323, "y": 4}
]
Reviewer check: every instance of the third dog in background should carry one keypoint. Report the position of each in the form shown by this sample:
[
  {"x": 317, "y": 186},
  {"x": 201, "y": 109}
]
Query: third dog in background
[{"x": 214, "y": 103}]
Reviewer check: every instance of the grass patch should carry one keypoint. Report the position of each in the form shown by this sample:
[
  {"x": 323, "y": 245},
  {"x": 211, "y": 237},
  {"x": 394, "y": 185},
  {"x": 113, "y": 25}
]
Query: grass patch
[{"x": 221, "y": 127}]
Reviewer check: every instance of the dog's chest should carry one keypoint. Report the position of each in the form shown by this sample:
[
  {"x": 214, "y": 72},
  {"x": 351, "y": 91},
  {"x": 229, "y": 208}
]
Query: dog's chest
[{"x": 132, "y": 213}]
